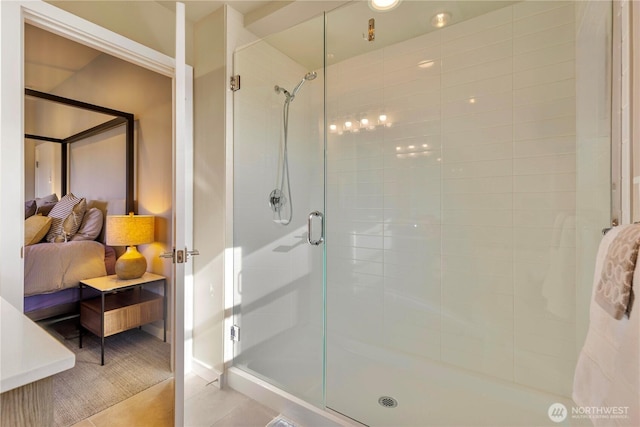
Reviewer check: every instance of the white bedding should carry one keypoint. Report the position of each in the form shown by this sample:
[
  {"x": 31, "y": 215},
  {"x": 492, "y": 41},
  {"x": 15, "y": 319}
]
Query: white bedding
[{"x": 51, "y": 267}]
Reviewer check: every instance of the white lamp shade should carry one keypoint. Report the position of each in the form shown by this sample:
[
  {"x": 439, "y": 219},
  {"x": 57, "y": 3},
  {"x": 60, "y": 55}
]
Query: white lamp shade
[{"x": 129, "y": 230}]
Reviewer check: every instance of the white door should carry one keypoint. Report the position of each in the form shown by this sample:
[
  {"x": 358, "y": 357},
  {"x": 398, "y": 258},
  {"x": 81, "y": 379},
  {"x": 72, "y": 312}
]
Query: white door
[
  {"x": 13, "y": 15},
  {"x": 183, "y": 233},
  {"x": 11, "y": 154},
  {"x": 182, "y": 208}
]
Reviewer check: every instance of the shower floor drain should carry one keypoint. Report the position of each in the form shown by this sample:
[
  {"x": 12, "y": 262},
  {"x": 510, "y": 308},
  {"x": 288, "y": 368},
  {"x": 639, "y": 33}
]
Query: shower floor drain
[{"x": 388, "y": 402}]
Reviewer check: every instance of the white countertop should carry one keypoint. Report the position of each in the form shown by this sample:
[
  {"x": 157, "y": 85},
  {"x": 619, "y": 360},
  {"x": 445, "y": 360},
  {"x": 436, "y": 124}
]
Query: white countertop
[{"x": 27, "y": 352}]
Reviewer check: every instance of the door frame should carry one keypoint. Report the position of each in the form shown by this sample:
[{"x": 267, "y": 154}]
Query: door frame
[{"x": 13, "y": 16}]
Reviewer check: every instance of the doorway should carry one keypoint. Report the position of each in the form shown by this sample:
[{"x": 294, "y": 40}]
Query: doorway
[
  {"x": 96, "y": 172},
  {"x": 46, "y": 16}
]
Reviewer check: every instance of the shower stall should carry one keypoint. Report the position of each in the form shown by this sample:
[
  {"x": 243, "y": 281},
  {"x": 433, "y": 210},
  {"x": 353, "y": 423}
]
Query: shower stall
[{"x": 451, "y": 164}]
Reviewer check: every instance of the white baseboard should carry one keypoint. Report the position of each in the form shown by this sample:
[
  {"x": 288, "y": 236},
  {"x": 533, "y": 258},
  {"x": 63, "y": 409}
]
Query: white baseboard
[
  {"x": 206, "y": 372},
  {"x": 156, "y": 331},
  {"x": 286, "y": 404}
]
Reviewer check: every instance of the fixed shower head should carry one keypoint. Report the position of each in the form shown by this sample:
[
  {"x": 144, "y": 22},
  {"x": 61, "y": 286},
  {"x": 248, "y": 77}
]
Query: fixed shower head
[{"x": 279, "y": 89}]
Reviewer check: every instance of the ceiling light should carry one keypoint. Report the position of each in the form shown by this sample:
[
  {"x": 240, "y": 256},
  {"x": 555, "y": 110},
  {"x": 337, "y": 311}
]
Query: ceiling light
[
  {"x": 347, "y": 124},
  {"x": 333, "y": 127},
  {"x": 383, "y": 118},
  {"x": 383, "y": 5},
  {"x": 364, "y": 122},
  {"x": 441, "y": 19},
  {"x": 425, "y": 64}
]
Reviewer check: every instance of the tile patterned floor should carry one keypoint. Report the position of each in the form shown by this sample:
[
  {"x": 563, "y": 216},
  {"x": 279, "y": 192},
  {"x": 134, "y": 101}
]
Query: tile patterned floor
[{"x": 205, "y": 406}]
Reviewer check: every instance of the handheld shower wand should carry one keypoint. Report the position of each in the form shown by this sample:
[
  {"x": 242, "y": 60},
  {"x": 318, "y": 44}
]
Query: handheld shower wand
[
  {"x": 291, "y": 95},
  {"x": 309, "y": 76},
  {"x": 279, "y": 197}
]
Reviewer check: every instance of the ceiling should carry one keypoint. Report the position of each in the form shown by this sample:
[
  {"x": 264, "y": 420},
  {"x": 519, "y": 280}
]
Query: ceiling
[
  {"x": 196, "y": 10},
  {"x": 348, "y": 24},
  {"x": 51, "y": 59}
]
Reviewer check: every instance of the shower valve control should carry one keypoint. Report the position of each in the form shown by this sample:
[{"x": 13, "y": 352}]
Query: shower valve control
[{"x": 276, "y": 200}]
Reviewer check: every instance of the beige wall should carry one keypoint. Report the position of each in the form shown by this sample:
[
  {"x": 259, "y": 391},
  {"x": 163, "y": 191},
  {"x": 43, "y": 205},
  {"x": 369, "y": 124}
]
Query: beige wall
[
  {"x": 209, "y": 173},
  {"x": 116, "y": 84},
  {"x": 120, "y": 85},
  {"x": 145, "y": 22},
  {"x": 97, "y": 164}
]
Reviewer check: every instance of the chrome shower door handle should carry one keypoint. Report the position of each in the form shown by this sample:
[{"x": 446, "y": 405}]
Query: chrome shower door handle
[{"x": 312, "y": 215}]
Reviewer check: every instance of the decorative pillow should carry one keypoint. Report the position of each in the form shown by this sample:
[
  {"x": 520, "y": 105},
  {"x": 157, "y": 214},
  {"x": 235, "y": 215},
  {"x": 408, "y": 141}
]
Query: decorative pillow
[
  {"x": 45, "y": 209},
  {"x": 29, "y": 208},
  {"x": 35, "y": 228},
  {"x": 72, "y": 223},
  {"x": 66, "y": 217},
  {"x": 51, "y": 198},
  {"x": 91, "y": 225}
]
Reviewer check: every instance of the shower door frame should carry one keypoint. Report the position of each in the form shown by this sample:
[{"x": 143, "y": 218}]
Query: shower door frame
[
  {"x": 306, "y": 283},
  {"x": 624, "y": 101}
]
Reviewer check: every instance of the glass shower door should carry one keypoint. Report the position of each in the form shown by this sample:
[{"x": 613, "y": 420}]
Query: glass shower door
[
  {"x": 468, "y": 178},
  {"x": 278, "y": 213}
]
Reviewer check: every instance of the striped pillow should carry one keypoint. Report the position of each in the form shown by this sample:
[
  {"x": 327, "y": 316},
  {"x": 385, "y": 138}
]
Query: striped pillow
[{"x": 66, "y": 217}]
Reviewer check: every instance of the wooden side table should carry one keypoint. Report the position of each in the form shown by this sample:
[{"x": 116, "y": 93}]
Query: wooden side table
[{"x": 122, "y": 305}]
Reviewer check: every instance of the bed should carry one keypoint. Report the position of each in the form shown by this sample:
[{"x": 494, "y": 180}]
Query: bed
[
  {"x": 53, "y": 270},
  {"x": 64, "y": 238}
]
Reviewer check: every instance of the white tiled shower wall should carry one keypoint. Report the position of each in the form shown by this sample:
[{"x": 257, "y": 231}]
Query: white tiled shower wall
[{"x": 452, "y": 225}]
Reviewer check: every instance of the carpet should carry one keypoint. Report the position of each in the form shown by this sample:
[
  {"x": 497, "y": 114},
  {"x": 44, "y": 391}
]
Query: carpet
[{"x": 134, "y": 361}]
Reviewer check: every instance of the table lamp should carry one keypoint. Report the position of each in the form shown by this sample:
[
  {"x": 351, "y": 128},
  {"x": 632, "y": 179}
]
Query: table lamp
[{"x": 130, "y": 230}]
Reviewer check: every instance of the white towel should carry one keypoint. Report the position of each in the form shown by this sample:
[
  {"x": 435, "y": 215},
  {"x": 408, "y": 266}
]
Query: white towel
[
  {"x": 608, "y": 369},
  {"x": 614, "y": 292}
]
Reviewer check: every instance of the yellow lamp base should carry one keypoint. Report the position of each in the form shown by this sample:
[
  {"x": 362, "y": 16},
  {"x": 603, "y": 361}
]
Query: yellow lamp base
[{"x": 131, "y": 264}]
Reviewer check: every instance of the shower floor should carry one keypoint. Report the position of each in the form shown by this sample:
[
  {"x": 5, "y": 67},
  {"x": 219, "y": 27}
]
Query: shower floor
[{"x": 428, "y": 393}]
